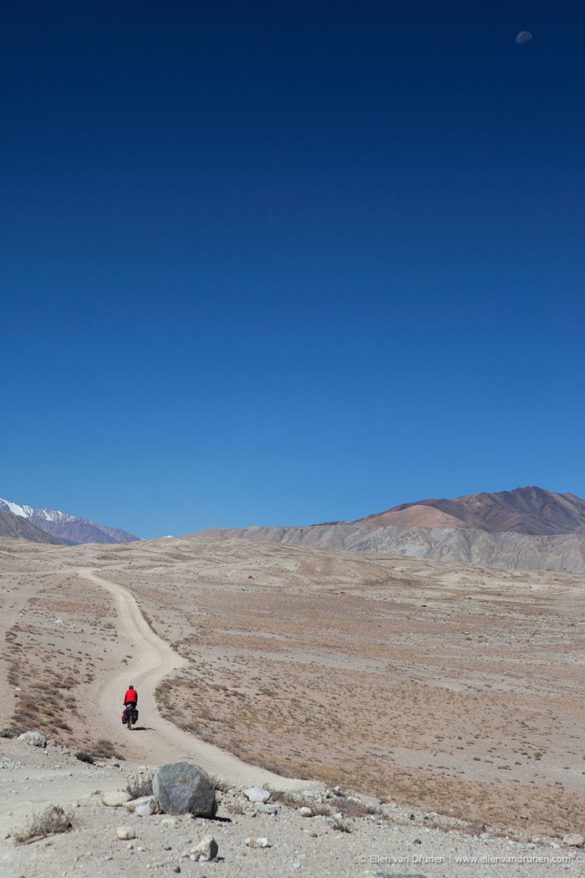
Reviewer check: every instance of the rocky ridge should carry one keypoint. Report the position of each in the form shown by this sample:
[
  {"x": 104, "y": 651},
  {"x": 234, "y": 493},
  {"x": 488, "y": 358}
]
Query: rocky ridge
[{"x": 524, "y": 529}]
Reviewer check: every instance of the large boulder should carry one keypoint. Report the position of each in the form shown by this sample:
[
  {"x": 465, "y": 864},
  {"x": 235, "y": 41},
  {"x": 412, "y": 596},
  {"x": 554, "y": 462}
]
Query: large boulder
[{"x": 184, "y": 788}]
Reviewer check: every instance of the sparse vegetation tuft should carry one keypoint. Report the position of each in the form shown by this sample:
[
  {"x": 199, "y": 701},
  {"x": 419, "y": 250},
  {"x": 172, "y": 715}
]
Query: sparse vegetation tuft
[
  {"x": 9, "y": 733},
  {"x": 320, "y": 810},
  {"x": 49, "y": 822},
  {"x": 290, "y": 800},
  {"x": 106, "y": 750},
  {"x": 85, "y": 757},
  {"x": 351, "y": 808},
  {"x": 341, "y": 825},
  {"x": 140, "y": 785}
]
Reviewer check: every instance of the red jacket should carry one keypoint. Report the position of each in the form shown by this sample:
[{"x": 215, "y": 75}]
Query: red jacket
[{"x": 131, "y": 695}]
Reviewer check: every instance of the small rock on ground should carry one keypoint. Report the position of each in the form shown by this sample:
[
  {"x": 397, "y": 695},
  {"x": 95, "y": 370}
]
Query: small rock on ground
[
  {"x": 115, "y": 798},
  {"x": 205, "y": 850},
  {"x": 257, "y": 794},
  {"x": 257, "y": 842},
  {"x": 125, "y": 832}
]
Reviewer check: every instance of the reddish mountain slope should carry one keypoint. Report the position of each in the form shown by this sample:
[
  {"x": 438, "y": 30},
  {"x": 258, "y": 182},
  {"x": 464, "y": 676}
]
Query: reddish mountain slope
[
  {"x": 525, "y": 510},
  {"x": 528, "y": 529}
]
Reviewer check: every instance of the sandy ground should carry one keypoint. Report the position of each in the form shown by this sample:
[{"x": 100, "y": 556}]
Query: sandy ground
[{"x": 452, "y": 690}]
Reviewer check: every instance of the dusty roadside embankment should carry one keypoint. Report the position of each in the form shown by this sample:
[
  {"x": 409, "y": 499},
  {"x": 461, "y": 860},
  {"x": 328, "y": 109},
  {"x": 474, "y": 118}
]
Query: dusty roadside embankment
[{"x": 368, "y": 839}]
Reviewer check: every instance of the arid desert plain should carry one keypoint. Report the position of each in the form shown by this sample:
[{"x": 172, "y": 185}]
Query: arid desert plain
[{"x": 456, "y": 691}]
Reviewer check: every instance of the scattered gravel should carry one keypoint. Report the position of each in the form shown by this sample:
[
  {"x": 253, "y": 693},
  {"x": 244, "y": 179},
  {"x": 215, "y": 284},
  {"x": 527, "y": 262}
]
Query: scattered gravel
[{"x": 245, "y": 841}]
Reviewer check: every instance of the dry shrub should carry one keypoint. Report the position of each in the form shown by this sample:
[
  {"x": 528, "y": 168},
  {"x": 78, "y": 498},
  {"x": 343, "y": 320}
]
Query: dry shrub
[
  {"x": 85, "y": 757},
  {"x": 320, "y": 810},
  {"x": 106, "y": 750},
  {"x": 49, "y": 822},
  {"x": 10, "y": 733},
  {"x": 340, "y": 825},
  {"x": 351, "y": 808},
  {"x": 290, "y": 800},
  {"x": 140, "y": 785}
]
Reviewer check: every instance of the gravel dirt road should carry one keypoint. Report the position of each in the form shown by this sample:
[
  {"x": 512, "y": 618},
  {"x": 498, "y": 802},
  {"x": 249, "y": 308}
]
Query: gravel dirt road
[{"x": 155, "y": 740}]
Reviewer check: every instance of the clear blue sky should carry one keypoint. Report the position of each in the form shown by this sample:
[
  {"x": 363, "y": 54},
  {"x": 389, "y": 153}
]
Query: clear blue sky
[{"x": 283, "y": 262}]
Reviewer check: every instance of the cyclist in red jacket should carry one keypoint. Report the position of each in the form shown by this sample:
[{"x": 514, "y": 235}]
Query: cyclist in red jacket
[
  {"x": 131, "y": 696},
  {"x": 130, "y": 700}
]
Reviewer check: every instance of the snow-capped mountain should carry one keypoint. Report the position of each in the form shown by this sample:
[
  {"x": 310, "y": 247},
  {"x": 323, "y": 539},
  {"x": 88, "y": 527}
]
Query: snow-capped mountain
[
  {"x": 30, "y": 512},
  {"x": 70, "y": 529},
  {"x": 18, "y": 528}
]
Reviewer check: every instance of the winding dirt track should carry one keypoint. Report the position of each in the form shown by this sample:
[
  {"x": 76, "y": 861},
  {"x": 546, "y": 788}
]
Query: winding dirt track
[{"x": 160, "y": 741}]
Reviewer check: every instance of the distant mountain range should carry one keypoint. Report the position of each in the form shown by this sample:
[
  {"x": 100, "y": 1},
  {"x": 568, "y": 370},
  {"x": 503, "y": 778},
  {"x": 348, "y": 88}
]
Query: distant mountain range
[
  {"x": 527, "y": 528},
  {"x": 52, "y": 526}
]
